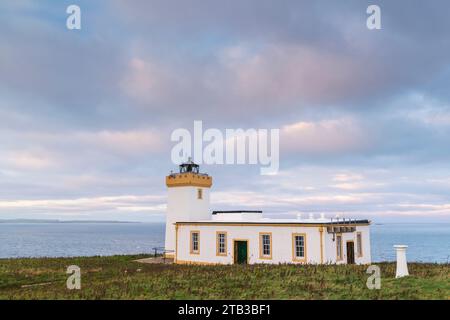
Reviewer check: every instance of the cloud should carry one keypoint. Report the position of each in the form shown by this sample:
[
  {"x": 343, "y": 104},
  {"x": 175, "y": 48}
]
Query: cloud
[
  {"x": 347, "y": 177},
  {"x": 298, "y": 52},
  {"x": 381, "y": 194},
  {"x": 30, "y": 160},
  {"x": 87, "y": 206},
  {"x": 147, "y": 82},
  {"x": 129, "y": 142},
  {"x": 286, "y": 74},
  {"x": 324, "y": 136},
  {"x": 48, "y": 146},
  {"x": 51, "y": 164},
  {"x": 364, "y": 115},
  {"x": 419, "y": 208}
]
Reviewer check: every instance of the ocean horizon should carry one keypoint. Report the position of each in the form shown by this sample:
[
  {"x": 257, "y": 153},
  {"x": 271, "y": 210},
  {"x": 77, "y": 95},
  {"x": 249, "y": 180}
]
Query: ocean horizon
[{"x": 427, "y": 242}]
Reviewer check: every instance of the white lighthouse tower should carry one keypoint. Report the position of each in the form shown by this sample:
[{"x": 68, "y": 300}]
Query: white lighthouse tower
[{"x": 188, "y": 199}]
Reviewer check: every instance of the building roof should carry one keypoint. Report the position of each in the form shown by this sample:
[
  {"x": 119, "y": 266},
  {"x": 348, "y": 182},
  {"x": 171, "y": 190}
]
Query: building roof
[
  {"x": 255, "y": 217},
  {"x": 236, "y": 211},
  {"x": 268, "y": 221}
]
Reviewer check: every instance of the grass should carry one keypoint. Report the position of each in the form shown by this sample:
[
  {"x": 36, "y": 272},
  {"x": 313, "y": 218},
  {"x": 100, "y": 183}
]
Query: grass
[{"x": 119, "y": 277}]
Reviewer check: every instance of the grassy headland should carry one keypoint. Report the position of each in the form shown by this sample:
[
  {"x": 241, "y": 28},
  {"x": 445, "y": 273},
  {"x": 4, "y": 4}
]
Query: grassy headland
[{"x": 120, "y": 277}]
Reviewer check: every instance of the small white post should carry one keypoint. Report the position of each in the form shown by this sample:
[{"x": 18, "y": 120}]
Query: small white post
[{"x": 402, "y": 265}]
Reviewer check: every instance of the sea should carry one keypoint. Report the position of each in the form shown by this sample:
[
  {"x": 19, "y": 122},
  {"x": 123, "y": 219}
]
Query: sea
[{"x": 427, "y": 242}]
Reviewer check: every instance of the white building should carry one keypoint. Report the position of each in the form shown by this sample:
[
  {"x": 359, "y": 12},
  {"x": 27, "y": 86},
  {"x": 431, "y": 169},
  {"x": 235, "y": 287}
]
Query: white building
[{"x": 194, "y": 235}]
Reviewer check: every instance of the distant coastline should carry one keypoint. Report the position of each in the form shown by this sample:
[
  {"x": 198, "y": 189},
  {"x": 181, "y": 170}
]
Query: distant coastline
[{"x": 61, "y": 221}]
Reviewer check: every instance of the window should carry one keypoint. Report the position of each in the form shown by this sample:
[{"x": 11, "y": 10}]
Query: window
[
  {"x": 199, "y": 194},
  {"x": 359, "y": 251},
  {"x": 299, "y": 246},
  {"x": 221, "y": 243},
  {"x": 339, "y": 247},
  {"x": 265, "y": 245},
  {"x": 195, "y": 242}
]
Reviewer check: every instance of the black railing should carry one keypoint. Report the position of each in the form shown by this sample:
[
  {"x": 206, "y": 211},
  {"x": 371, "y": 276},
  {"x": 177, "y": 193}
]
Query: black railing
[{"x": 161, "y": 251}]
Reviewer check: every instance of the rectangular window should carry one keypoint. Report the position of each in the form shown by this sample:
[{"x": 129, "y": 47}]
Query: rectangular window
[
  {"x": 299, "y": 243},
  {"x": 221, "y": 243},
  {"x": 265, "y": 245},
  {"x": 195, "y": 242},
  {"x": 339, "y": 247},
  {"x": 359, "y": 244},
  {"x": 199, "y": 194}
]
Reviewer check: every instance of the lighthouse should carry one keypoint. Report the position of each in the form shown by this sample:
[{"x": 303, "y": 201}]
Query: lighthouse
[
  {"x": 195, "y": 235},
  {"x": 188, "y": 199}
]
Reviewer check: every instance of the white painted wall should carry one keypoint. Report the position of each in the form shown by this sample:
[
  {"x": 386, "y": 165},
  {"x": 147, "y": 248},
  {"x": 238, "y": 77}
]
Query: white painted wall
[
  {"x": 183, "y": 205},
  {"x": 281, "y": 244},
  {"x": 331, "y": 250},
  {"x": 241, "y": 216}
]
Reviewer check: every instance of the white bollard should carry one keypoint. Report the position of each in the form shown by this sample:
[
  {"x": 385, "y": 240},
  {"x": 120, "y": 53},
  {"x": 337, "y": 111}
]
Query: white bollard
[{"x": 402, "y": 265}]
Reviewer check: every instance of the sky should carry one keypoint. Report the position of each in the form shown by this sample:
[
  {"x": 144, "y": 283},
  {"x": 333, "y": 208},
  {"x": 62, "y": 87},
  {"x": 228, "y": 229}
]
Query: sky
[{"x": 364, "y": 115}]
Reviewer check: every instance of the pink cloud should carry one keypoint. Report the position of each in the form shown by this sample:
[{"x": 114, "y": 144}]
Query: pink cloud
[
  {"x": 325, "y": 136},
  {"x": 243, "y": 79},
  {"x": 146, "y": 81},
  {"x": 31, "y": 160},
  {"x": 290, "y": 73},
  {"x": 130, "y": 142}
]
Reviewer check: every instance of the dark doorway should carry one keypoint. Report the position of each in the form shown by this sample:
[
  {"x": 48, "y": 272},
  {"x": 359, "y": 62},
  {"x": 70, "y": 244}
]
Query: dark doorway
[
  {"x": 240, "y": 251},
  {"x": 350, "y": 252}
]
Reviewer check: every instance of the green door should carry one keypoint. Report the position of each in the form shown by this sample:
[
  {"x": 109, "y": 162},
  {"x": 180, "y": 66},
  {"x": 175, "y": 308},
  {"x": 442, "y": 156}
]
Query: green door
[{"x": 240, "y": 252}]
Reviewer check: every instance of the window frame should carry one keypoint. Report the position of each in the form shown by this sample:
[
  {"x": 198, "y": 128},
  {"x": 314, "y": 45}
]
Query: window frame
[
  {"x": 218, "y": 253},
  {"x": 339, "y": 248},
  {"x": 191, "y": 246},
  {"x": 359, "y": 245},
  {"x": 261, "y": 246},
  {"x": 294, "y": 247}
]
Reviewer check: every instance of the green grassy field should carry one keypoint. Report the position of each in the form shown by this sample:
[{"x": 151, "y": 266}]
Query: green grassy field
[{"x": 119, "y": 277}]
